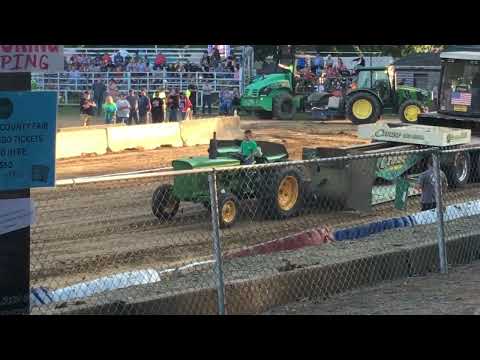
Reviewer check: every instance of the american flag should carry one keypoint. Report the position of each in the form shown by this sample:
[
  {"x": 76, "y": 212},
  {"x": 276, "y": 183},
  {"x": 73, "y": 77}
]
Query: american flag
[{"x": 461, "y": 98}]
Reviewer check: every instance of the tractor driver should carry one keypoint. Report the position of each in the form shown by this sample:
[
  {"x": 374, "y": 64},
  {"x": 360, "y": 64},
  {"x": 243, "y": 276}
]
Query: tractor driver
[{"x": 249, "y": 148}]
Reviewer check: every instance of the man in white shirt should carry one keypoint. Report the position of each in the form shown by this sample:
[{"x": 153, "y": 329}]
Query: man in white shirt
[
  {"x": 207, "y": 97},
  {"x": 123, "y": 109}
]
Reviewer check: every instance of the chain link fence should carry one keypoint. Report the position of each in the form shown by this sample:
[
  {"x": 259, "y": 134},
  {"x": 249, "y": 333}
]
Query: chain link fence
[{"x": 241, "y": 239}]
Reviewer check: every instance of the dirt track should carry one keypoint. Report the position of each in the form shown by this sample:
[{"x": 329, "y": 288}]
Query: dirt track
[{"x": 293, "y": 134}]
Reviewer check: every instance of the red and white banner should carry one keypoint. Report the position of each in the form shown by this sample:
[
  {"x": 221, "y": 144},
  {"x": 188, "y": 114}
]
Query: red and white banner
[{"x": 31, "y": 58}]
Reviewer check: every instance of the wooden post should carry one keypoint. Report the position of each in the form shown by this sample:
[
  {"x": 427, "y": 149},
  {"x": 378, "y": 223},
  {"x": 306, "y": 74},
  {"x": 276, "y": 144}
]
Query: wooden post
[{"x": 15, "y": 246}]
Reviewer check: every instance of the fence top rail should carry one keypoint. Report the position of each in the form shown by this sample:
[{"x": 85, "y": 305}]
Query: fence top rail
[
  {"x": 177, "y": 52},
  {"x": 90, "y": 73},
  {"x": 164, "y": 172}
]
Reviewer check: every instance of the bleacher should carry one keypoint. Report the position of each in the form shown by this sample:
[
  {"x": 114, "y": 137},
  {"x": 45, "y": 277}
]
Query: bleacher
[{"x": 70, "y": 87}]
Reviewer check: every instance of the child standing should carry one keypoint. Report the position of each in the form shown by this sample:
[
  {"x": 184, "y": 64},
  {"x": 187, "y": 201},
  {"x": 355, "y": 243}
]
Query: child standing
[{"x": 110, "y": 109}]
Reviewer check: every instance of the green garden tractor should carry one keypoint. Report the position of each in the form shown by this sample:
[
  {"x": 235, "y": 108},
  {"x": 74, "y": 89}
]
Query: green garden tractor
[{"x": 277, "y": 191}]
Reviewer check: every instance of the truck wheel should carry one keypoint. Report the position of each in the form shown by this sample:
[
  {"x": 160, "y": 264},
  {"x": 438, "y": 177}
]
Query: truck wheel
[
  {"x": 409, "y": 111},
  {"x": 164, "y": 203},
  {"x": 228, "y": 210},
  {"x": 282, "y": 193},
  {"x": 458, "y": 172},
  {"x": 283, "y": 107},
  {"x": 363, "y": 108}
]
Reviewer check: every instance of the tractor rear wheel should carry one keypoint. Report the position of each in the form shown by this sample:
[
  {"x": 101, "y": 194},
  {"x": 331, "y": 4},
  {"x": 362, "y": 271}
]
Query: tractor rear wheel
[
  {"x": 282, "y": 194},
  {"x": 164, "y": 203},
  {"x": 458, "y": 173},
  {"x": 363, "y": 108},
  {"x": 283, "y": 107},
  {"x": 409, "y": 111}
]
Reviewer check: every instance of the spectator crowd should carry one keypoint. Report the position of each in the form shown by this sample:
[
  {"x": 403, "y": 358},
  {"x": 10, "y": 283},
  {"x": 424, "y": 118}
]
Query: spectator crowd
[
  {"x": 161, "y": 106},
  {"x": 325, "y": 74}
]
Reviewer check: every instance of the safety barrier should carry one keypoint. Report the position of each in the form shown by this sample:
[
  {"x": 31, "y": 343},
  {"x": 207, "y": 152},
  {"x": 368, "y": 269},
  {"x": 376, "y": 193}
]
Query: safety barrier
[
  {"x": 81, "y": 142},
  {"x": 147, "y": 137},
  {"x": 101, "y": 139},
  {"x": 199, "y": 132}
]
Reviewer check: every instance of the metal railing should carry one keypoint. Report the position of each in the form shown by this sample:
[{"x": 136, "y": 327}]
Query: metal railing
[
  {"x": 69, "y": 86},
  {"x": 241, "y": 239}
]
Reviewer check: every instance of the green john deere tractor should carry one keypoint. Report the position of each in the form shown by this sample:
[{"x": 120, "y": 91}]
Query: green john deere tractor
[
  {"x": 377, "y": 92},
  {"x": 276, "y": 190}
]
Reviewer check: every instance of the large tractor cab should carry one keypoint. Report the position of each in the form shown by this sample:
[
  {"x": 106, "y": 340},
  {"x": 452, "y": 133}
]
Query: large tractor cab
[
  {"x": 376, "y": 92},
  {"x": 459, "y": 92}
]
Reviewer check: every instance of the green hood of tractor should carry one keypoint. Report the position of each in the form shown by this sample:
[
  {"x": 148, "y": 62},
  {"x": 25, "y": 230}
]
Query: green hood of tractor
[
  {"x": 203, "y": 162},
  {"x": 280, "y": 80},
  {"x": 406, "y": 92}
]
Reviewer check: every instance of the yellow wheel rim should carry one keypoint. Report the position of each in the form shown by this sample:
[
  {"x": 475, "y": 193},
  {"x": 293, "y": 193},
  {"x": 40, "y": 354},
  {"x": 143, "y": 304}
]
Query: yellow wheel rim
[
  {"x": 411, "y": 113},
  {"x": 362, "y": 109},
  {"x": 288, "y": 193},
  {"x": 229, "y": 211}
]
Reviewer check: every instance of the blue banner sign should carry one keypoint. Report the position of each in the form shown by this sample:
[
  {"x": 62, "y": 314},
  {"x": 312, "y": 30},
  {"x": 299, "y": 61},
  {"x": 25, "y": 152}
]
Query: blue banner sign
[{"x": 27, "y": 139}]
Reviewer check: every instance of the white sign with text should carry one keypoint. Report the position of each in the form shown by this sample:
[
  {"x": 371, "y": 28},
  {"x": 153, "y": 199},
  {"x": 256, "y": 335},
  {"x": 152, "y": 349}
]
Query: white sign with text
[{"x": 31, "y": 58}]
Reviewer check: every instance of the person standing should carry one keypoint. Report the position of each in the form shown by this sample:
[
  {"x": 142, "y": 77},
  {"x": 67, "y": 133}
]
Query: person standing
[
  {"x": 193, "y": 98},
  {"x": 144, "y": 107},
  {"x": 225, "y": 101},
  {"x": 207, "y": 97},
  {"x": 87, "y": 108},
  {"x": 235, "y": 101},
  {"x": 132, "y": 98},
  {"x": 318, "y": 64},
  {"x": 123, "y": 110},
  {"x": 185, "y": 107},
  {"x": 173, "y": 104},
  {"x": 99, "y": 90},
  {"x": 110, "y": 108},
  {"x": 426, "y": 184},
  {"x": 163, "y": 97},
  {"x": 157, "y": 108}
]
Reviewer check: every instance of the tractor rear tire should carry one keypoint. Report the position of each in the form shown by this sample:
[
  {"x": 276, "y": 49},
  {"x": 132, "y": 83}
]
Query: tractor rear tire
[
  {"x": 363, "y": 108},
  {"x": 458, "y": 173},
  {"x": 164, "y": 203},
  {"x": 409, "y": 111},
  {"x": 283, "y": 107},
  {"x": 281, "y": 195}
]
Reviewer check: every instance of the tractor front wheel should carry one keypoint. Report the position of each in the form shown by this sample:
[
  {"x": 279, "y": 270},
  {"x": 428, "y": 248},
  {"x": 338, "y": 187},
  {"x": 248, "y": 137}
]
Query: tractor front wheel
[
  {"x": 164, "y": 203},
  {"x": 363, "y": 108},
  {"x": 228, "y": 210},
  {"x": 409, "y": 111}
]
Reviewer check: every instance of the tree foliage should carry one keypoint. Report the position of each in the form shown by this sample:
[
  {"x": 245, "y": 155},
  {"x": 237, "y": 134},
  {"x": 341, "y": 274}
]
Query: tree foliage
[{"x": 264, "y": 51}]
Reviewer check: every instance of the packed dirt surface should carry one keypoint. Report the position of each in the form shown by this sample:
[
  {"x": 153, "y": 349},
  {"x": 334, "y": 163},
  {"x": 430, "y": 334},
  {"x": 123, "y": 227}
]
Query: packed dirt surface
[
  {"x": 295, "y": 135},
  {"x": 457, "y": 293}
]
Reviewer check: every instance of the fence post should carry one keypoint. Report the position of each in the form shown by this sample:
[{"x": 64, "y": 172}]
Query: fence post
[
  {"x": 217, "y": 252},
  {"x": 442, "y": 251}
]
